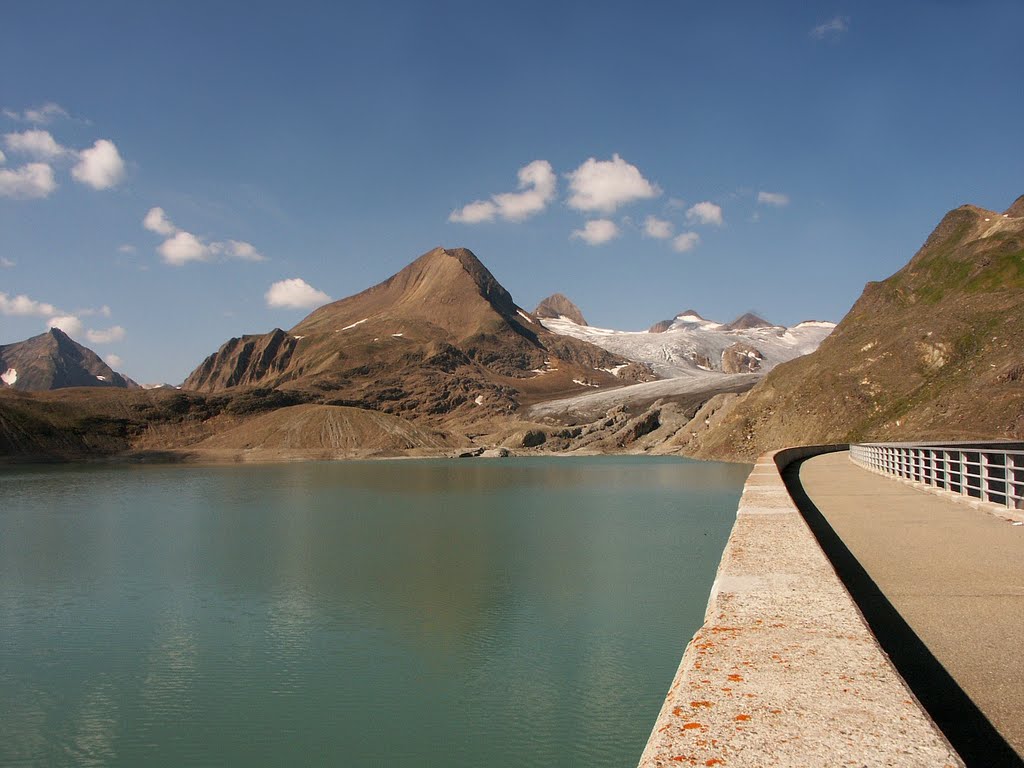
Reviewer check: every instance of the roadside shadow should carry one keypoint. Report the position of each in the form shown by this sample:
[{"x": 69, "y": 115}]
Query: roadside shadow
[{"x": 968, "y": 730}]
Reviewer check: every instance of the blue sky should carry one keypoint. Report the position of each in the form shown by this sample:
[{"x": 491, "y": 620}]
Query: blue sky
[{"x": 642, "y": 158}]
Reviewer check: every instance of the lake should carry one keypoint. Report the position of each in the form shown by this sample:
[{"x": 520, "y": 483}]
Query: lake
[{"x": 517, "y": 612}]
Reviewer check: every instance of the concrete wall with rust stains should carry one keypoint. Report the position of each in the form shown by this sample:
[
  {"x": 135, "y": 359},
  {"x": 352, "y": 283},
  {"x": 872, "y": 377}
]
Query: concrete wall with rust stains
[{"x": 784, "y": 671}]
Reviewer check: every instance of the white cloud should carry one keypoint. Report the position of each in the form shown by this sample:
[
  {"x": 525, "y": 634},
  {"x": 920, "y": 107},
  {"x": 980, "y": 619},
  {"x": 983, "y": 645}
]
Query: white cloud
[
  {"x": 37, "y": 144},
  {"x": 3, "y": 158},
  {"x": 156, "y": 221},
  {"x": 295, "y": 293},
  {"x": 31, "y": 181},
  {"x": 604, "y": 185},
  {"x": 182, "y": 248},
  {"x": 239, "y": 249},
  {"x": 659, "y": 229},
  {"x": 597, "y": 232},
  {"x": 24, "y": 306},
  {"x": 474, "y": 213},
  {"x": 7, "y": 263},
  {"x": 537, "y": 183},
  {"x": 100, "y": 166},
  {"x": 126, "y": 248},
  {"x": 106, "y": 336},
  {"x": 705, "y": 213},
  {"x": 777, "y": 199},
  {"x": 70, "y": 324},
  {"x": 114, "y": 361},
  {"x": 686, "y": 242},
  {"x": 47, "y": 113},
  {"x": 834, "y": 26}
]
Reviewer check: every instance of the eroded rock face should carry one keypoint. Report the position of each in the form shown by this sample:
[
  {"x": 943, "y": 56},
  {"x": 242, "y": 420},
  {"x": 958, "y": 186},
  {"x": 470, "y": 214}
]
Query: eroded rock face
[
  {"x": 559, "y": 305},
  {"x": 255, "y": 359},
  {"x": 741, "y": 358}
]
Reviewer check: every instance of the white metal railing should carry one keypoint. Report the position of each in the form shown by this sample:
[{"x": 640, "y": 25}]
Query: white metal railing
[{"x": 989, "y": 472}]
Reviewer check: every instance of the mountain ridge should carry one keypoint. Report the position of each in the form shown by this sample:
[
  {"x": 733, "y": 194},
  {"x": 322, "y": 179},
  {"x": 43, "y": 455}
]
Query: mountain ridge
[{"x": 440, "y": 335}]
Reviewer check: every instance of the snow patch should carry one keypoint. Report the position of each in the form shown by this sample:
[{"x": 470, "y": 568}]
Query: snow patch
[
  {"x": 357, "y": 322},
  {"x": 101, "y": 378},
  {"x": 525, "y": 316},
  {"x": 584, "y": 383},
  {"x": 298, "y": 338},
  {"x": 9, "y": 377},
  {"x": 615, "y": 370},
  {"x": 479, "y": 400},
  {"x": 397, "y": 335}
]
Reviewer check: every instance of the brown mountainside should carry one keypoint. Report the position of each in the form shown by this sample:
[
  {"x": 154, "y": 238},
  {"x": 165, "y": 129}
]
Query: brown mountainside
[
  {"x": 931, "y": 353},
  {"x": 559, "y": 305},
  {"x": 53, "y": 360},
  {"x": 441, "y": 335}
]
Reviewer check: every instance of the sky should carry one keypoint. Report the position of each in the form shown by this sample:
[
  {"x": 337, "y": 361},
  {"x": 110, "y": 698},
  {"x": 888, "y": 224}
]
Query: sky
[{"x": 176, "y": 174}]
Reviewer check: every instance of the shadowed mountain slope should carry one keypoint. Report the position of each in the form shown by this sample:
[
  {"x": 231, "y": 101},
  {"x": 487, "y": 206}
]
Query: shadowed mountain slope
[
  {"x": 53, "y": 360},
  {"x": 931, "y": 353}
]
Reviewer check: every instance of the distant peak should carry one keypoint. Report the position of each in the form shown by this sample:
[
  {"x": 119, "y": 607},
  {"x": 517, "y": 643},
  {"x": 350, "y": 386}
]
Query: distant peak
[
  {"x": 691, "y": 313},
  {"x": 748, "y": 320},
  {"x": 558, "y": 305}
]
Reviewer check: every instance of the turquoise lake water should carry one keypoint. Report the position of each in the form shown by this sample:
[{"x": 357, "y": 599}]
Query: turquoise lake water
[{"x": 525, "y": 612}]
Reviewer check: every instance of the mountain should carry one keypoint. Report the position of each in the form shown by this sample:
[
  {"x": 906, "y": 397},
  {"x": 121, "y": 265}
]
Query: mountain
[
  {"x": 746, "y": 321},
  {"x": 557, "y": 305},
  {"x": 53, "y": 360},
  {"x": 440, "y": 337},
  {"x": 931, "y": 353},
  {"x": 689, "y": 343},
  {"x": 684, "y": 318}
]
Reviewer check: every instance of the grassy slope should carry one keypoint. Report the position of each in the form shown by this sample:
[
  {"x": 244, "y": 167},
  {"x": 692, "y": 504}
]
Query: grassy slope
[{"x": 933, "y": 352}]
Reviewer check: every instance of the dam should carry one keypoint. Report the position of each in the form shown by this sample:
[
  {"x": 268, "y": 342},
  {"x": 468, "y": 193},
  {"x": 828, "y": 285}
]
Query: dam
[{"x": 854, "y": 620}]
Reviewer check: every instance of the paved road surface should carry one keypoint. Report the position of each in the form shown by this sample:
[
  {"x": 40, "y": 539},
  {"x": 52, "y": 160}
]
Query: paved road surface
[{"x": 954, "y": 574}]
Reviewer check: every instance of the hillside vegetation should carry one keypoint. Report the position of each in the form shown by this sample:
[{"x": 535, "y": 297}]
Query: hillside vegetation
[{"x": 932, "y": 353}]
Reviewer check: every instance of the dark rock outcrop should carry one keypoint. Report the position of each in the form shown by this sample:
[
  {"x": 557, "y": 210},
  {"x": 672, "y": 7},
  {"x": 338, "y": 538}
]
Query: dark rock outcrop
[{"x": 741, "y": 358}]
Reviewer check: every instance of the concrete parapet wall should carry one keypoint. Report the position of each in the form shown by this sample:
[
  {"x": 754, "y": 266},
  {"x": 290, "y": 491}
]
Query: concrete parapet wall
[{"x": 784, "y": 671}]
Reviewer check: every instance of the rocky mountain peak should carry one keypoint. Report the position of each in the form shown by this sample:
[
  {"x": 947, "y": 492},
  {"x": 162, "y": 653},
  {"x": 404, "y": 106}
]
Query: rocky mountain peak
[
  {"x": 748, "y": 320},
  {"x": 53, "y": 360},
  {"x": 558, "y": 305}
]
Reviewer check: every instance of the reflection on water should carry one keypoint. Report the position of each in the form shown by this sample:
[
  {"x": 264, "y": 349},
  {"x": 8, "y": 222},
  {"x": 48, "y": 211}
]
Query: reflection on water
[{"x": 522, "y": 612}]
